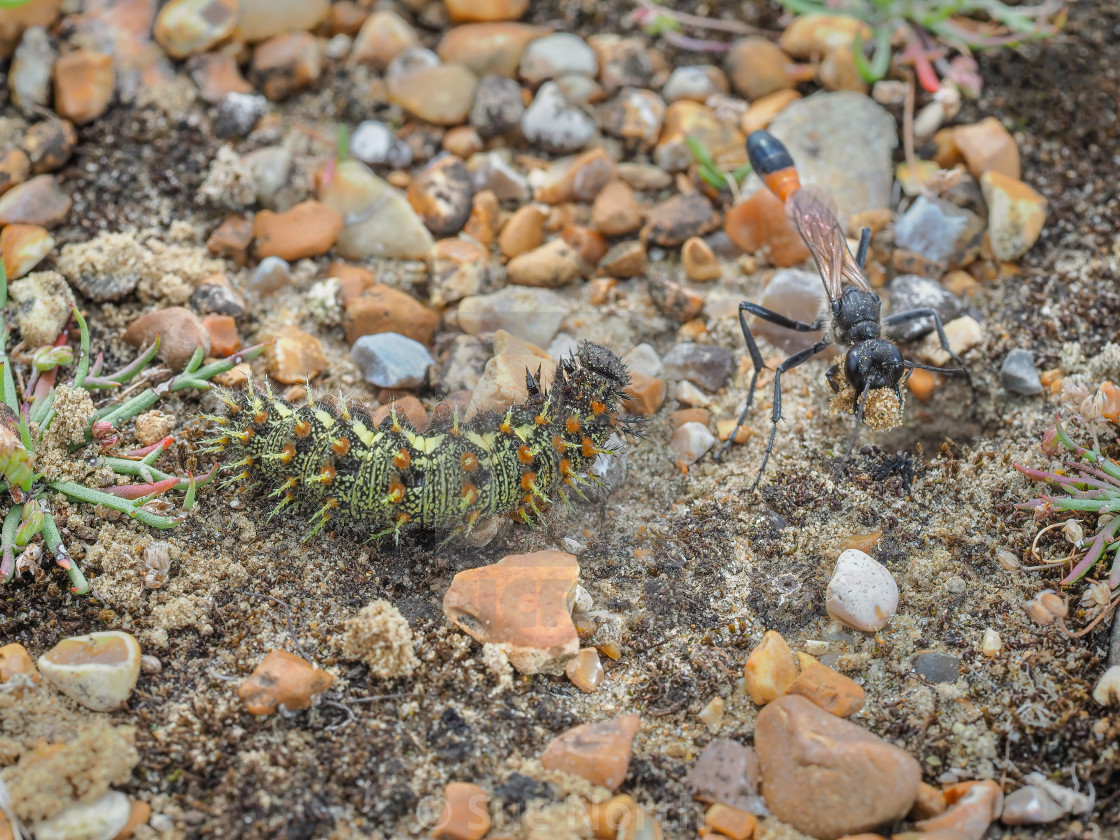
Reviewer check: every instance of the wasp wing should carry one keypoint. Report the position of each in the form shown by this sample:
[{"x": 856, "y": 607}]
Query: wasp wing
[{"x": 814, "y": 216}]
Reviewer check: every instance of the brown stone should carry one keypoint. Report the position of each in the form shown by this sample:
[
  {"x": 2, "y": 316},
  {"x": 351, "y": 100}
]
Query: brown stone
[
  {"x": 589, "y": 244},
  {"x": 286, "y": 64},
  {"x": 770, "y": 669},
  {"x": 83, "y": 85},
  {"x": 585, "y": 670},
  {"x": 676, "y": 219},
  {"x": 383, "y": 37},
  {"x": 731, "y": 822},
  {"x": 759, "y": 223},
  {"x": 489, "y": 49},
  {"x": 486, "y": 218},
  {"x": 684, "y": 119},
  {"x": 14, "y": 659},
  {"x": 139, "y": 815},
  {"x": 411, "y": 408},
  {"x": 838, "y": 71},
  {"x": 645, "y": 394},
  {"x": 441, "y": 195},
  {"x": 599, "y": 752},
  {"x": 689, "y": 415},
  {"x": 307, "y": 230},
  {"x": 282, "y": 679},
  {"x": 353, "y": 280},
  {"x": 385, "y": 309},
  {"x": 23, "y": 247},
  {"x": 295, "y": 356},
  {"x": 346, "y": 18},
  {"x": 578, "y": 179},
  {"x": 987, "y": 146},
  {"x": 186, "y": 27},
  {"x": 829, "y": 689},
  {"x": 462, "y": 141},
  {"x": 180, "y": 332},
  {"x": 675, "y": 300},
  {"x": 232, "y": 238},
  {"x": 727, "y": 772},
  {"x": 699, "y": 261},
  {"x": 523, "y": 232},
  {"x": 441, "y": 95},
  {"x": 616, "y": 212},
  {"x": 757, "y": 67},
  {"x": 49, "y": 144},
  {"x": 465, "y": 11},
  {"x": 969, "y": 816},
  {"x": 521, "y": 601},
  {"x": 811, "y": 34},
  {"x": 626, "y": 259},
  {"x": 224, "y": 340},
  {"x": 828, "y": 777},
  {"x": 465, "y": 815},
  {"x": 1016, "y": 214},
  {"x": 14, "y": 169},
  {"x": 217, "y": 75},
  {"x": 549, "y": 266},
  {"x": 39, "y": 201},
  {"x": 460, "y": 267},
  {"x": 15, "y": 19},
  {"x": 930, "y": 803}
]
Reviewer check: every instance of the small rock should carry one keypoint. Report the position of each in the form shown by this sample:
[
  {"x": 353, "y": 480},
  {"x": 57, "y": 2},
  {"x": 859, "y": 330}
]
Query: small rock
[
  {"x": 270, "y": 276},
  {"x": 770, "y": 670},
  {"x": 969, "y": 817},
  {"x": 691, "y": 442},
  {"x": 216, "y": 75},
  {"x": 180, "y": 333},
  {"x": 712, "y": 714},
  {"x": 675, "y": 300},
  {"x": 731, "y": 822},
  {"x": 911, "y": 291},
  {"x": 383, "y": 37},
  {"x": 599, "y": 752},
  {"x": 1019, "y": 374},
  {"x": 441, "y": 95},
  {"x": 684, "y": 119},
  {"x": 295, "y": 356},
  {"x": 643, "y": 359},
  {"x": 492, "y": 171},
  {"x": 489, "y": 49},
  {"x": 700, "y": 263},
  {"x": 759, "y": 223},
  {"x": 282, "y": 679},
  {"x": 616, "y": 212},
  {"x": 799, "y": 748},
  {"x": 24, "y": 247},
  {"x": 555, "y": 55},
  {"x": 97, "y": 671},
  {"x": 224, "y": 340},
  {"x": 645, "y": 394},
  {"x": 521, "y": 602},
  {"x": 708, "y": 365},
  {"x": 728, "y": 773},
  {"x": 375, "y": 143},
  {"x": 644, "y": 176},
  {"x": 758, "y": 67},
  {"x": 307, "y": 230},
  {"x": 936, "y": 667},
  {"x": 832, "y": 691},
  {"x": 391, "y": 360},
  {"x": 838, "y": 71},
  {"x": 15, "y": 660},
  {"x": 634, "y": 115},
  {"x": 585, "y": 670},
  {"x": 991, "y": 644},
  {"x": 502, "y": 383},
  {"x": 963, "y": 334},
  {"x": 695, "y": 83},
  {"x": 29, "y": 79},
  {"x": 83, "y": 85},
  {"x": 102, "y": 819},
  {"x": 237, "y": 113},
  {"x": 441, "y": 194},
  {"x": 988, "y": 147},
  {"x": 862, "y": 593},
  {"x": 929, "y": 803},
  {"x": 940, "y": 231},
  {"x": 626, "y": 259},
  {"x": 1016, "y": 214},
  {"x": 261, "y": 19},
  {"x": 186, "y": 27},
  {"x": 1107, "y": 690},
  {"x": 555, "y": 125},
  {"x": 532, "y": 314},
  {"x": 623, "y": 62},
  {"x": 676, "y": 219},
  {"x": 552, "y": 265},
  {"x": 576, "y": 179},
  {"x": 1030, "y": 805},
  {"x": 486, "y": 10},
  {"x": 523, "y": 232},
  {"x": 811, "y": 34},
  {"x": 231, "y": 239},
  {"x": 270, "y": 167},
  {"x": 465, "y": 815},
  {"x": 39, "y": 201},
  {"x": 377, "y": 219},
  {"x": 49, "y": 145},
  {"x": 459, "y": 268},
  {"x": 498, "y": 106},
  {"x": 14, "y": 169},
  {"x": 286, "y": 64}
]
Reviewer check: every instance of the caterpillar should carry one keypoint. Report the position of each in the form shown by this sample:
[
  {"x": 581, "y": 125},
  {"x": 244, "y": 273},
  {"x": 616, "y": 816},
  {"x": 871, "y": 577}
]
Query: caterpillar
[{"x": 329, "y": 453}]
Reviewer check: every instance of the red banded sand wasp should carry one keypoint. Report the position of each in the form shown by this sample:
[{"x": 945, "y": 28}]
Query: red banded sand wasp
[{"x": 873, "y": 371}]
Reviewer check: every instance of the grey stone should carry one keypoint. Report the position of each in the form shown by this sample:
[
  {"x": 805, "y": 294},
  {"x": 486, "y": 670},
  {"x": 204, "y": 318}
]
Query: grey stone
[
  {"x": 1030, "y": 806},
  {"x": 696, "y": 83},
  {"x": 30, "y": 77},
  {"x": 912, "y": 291},
  {"x": 492, "y": 171},
  {"x": 643, "y": 359},
  {"x": 497, "y": 107},
  {"x": 375, "y": 143},
  {"x": 707, "y": 365},
  {"x": 1019, "y": 374},
  {"x": 554, "y": 124},
  {"x": 797, "y": 294},
  {"x": 237, "y": 113},
  {"x": 463, "y": 367},
  {"x": 937, "y": 667},
  {"x": 214, "y": 298},
  {"x": 270, "y": 276},
  {"x": 391, "y": 360},
  {"x": 271, "y": 166},
  {"x": 556, "y": 54},
  {"x": 940, "y": 231},
  {"x": 527, "y": 312}
]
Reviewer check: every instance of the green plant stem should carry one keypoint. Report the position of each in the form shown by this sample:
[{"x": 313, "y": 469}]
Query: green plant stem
[
  {"x": 80, "y": 493},
  {"x": 8, "y": 541},
  {"x": 53, "y": 539}
]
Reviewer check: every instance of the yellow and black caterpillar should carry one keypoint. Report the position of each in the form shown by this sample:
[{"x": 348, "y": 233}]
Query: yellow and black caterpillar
[{"x": 392, "y": 477}]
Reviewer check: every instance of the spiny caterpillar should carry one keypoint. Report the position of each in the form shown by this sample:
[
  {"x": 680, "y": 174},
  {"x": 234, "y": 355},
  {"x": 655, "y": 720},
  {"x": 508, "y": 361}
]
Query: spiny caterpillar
[{"x": 330, "y": 453}]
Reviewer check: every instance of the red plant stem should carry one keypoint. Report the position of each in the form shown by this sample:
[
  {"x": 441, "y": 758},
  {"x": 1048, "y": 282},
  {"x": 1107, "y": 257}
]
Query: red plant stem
[
  {"x": 139, "y": 454},
  {"x": 139, "y": 491}
]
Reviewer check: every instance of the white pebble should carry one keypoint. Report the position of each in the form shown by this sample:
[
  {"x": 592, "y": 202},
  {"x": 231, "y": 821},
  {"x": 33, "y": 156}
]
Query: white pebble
[
  {"x": 1030, "y": 806},
  {"x": 1107, "y": 692},
  {"x": 862, "y": 593},
  {"x": 99, "y": 670},
  {"x": 100, "y": 820},
  {"x": 991, "y": 644},
  {"x": 691, "y": 441}
]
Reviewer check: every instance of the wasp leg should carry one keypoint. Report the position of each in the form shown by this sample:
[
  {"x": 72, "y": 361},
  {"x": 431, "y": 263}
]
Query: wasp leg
[
  {"x": 800, "y": 357},
  {"x": 896, "y": 318},
  {"x": 756, "y": 357}
]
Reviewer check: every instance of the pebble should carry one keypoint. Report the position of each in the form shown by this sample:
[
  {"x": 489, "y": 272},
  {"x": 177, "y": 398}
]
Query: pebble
[
  {"x": 441, "y": 95},
  {"x": 270, "y": 167},
  {"x": 1070, "y": 802},
  {"x": 550, "y": 266},
  {"x": 616, "y": 212},
  {"x": 377, "y": 219},
  {"x": 383, "y": 37},
  {"x": 307, "y": 230},
  {"x": 1107, "y": 690},
  {"x": 375, "y": 143},
  {"x": 261, "y": 19},
  {"x": 832, "y": 691},
  {"x": 811, "y": 34},
  {"x": 758, "y": 67},
  {"x": 727, "y": 772},
  {"x": 634, "y": 115},
  {"x": 520, "y": 602},
  {"x": 1016, "y": 214},
  {"x": 699, "y": 261},
  {"x": 102, "y": 819},
  {"x": 712, "y": 714},
  {"x": 674, "y": 220},
  {"x": 940, "y": 231},
  {"x": 691, "y": 442},
  {"x": 987, "y": 146},
  {"x": 492, "y": 171},
  {"x": 286, "y": 64},
  {"x": 644, "y": 359},
  {"x": 708, "y": 365},
  {"x": 14, "y": 169},
  {"x": 383, "y": 309},
  {"x": 599, "y": 752},
  {"x": 971, "y": 814},
  {"x": 691, "y": 119},
  {"x": 912, "y": 291},
  {"x": 391, "y": 360},
  {"x": 838, "y": 71},
  {"x": 523, "y": 232},
  {"x": 676, "y": 301},
  {"x": 489, "y": 48},
  {"x": 770, "y": 670},
  {"x": 862, "y": 593},
  {"x": 936, "y": 667},
  {"x": 441, "y": 194},
  {"x": 29, "y": 78},
  {"x": 282, "y": 679},
  {"x": 556, "y": 55},
  {"x": 644, "y": 176},
  {"x": 39, "y": 201},
  {"x": 97, "y": 671},
  {"x": 187, "y": 27},
  {"x": 623, "y": 62},
  {"x": 759, "y": 223},
  {"x": 585, "y": 670},
  {"x": 224, "y": 339},
  {"x": 646, "y": 394},
  {"x": 180, "y": 332},
  {"x": 929, "y": 803},
  {"x": 855, "y": 166},
  {"x": 1019, "y": 374},
  {"x": 15, "y": 660},
  {"x": 502, "y": 383},
  {"x": 458, "y": 268},
  {"x": 216, "y": 75},
  {"x": 962, "y": 333},
  {"x": 731, "y": 822},
  {"x": 83, "y": 85},
  {"x": 580, "y": 178},
  {"x": 45, "y": 307},
  {"x": 529, "y": 313},
  {"x": 486, "y": 10},
  {"x": 237, "y": 113},
  {"x": 498, "y": 107},
  {"x": 626, "y": 259},
  {"x": 465, "y": 815},
  {"x": 800, "y": 746},
  {"x": 991, "y": 644},
  {"x": 1030, "y": 805},
  {"x": 295, "y": 356},
  {"x": 270, "y": 276},
  {"x": 555, "y": 125},
  {"x": 23, "y": 248},
  {"x": 695, "y": 83}
]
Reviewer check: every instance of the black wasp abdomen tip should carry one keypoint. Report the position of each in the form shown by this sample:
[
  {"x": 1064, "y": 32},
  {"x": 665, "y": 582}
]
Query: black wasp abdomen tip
[{"x": 767, "y": 153}]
